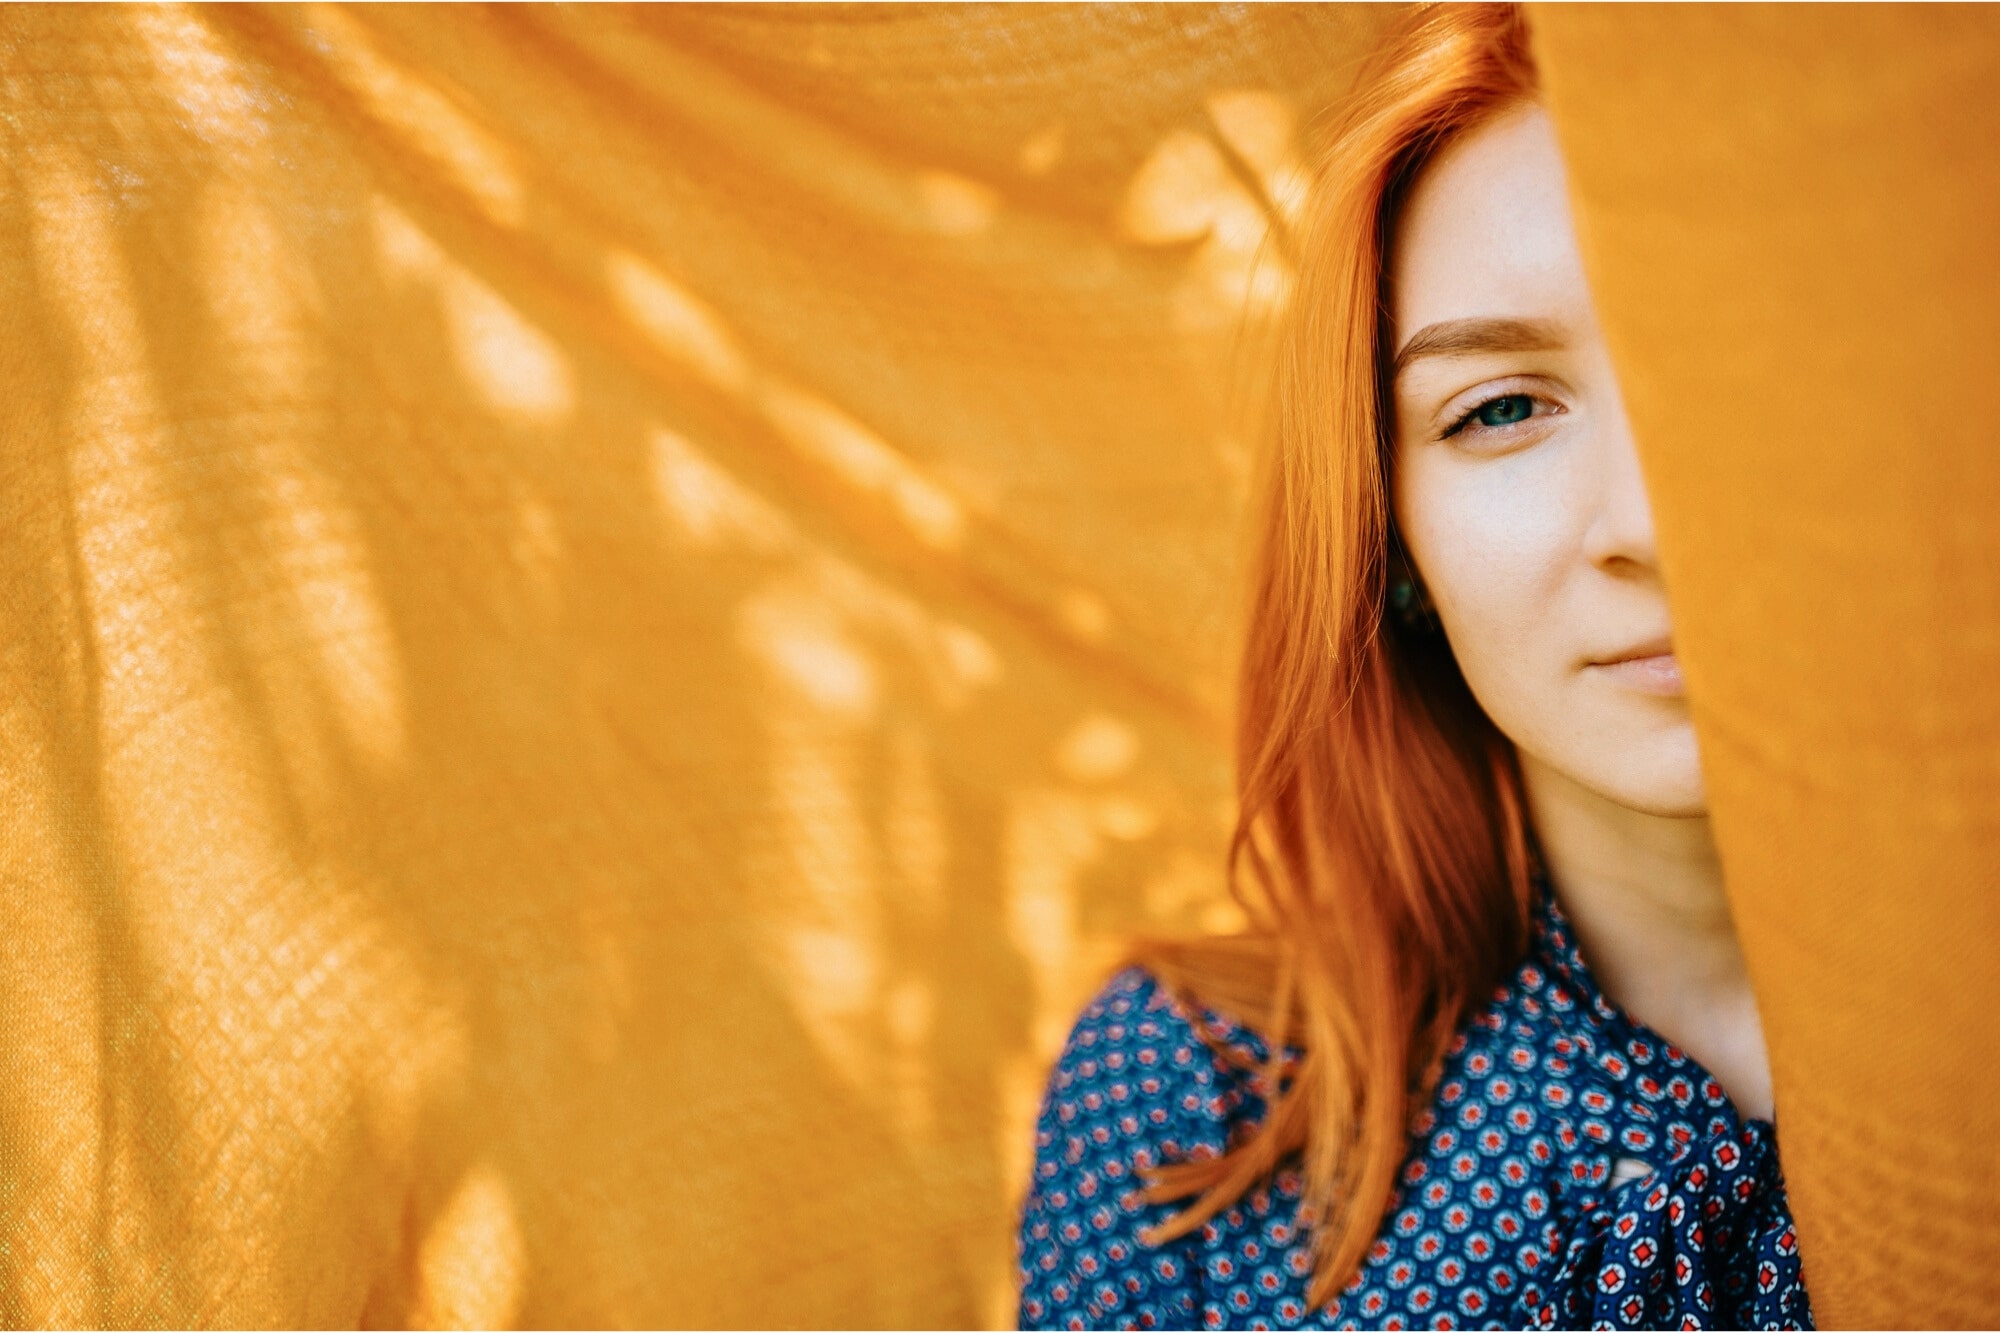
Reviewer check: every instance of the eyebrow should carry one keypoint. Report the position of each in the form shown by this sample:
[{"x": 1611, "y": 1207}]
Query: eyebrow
[{"x": 1468, "y": 337}]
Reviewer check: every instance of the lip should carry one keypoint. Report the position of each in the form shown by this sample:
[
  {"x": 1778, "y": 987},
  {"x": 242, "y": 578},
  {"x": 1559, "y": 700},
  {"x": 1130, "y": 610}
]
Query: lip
[
  {"x": 1656, "y": 673},
  {"x": 1658, "y": 646}
]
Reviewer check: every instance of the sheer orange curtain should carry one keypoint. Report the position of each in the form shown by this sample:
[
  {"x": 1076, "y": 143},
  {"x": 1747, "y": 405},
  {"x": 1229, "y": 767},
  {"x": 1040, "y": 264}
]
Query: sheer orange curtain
[
  {"x": 1789, "y": 216},
  {"x": 602, "y": 614}
]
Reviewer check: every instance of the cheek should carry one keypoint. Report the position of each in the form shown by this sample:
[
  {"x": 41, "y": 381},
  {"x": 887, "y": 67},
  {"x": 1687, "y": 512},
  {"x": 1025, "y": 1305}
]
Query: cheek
[{"x": 1490, "y": 539}]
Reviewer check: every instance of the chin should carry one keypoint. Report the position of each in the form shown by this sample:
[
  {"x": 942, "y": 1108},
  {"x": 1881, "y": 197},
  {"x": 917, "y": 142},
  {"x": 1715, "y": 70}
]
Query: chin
[
  {"x": 1666, "y": 800},
  {"x": 1660, "y": 775}
]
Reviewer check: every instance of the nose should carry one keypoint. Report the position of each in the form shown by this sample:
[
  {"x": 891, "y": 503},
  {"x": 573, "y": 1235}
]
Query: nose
[{"x": 1619, "y": 538}]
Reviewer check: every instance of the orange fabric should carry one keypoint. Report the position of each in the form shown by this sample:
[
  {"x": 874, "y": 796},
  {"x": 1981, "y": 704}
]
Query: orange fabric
[
  {"x": 1790, "y": 217},
  {"x": 603, "y": 615}
]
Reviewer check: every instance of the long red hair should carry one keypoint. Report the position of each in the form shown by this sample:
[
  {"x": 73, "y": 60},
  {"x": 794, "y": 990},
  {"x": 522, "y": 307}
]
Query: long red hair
[{"x": 1382, "y": 850}]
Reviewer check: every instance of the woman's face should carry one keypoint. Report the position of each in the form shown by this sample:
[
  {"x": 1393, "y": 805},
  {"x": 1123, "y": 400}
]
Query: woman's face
[{"x": 1517, "y": 490}]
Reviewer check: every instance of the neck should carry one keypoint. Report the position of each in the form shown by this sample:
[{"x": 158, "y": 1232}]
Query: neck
[{"x": 1644, "y": 893}]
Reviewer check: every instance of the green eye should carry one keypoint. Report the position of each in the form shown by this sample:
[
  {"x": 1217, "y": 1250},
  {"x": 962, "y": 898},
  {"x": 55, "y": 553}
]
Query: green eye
[{"x": 1505, "y": 411}]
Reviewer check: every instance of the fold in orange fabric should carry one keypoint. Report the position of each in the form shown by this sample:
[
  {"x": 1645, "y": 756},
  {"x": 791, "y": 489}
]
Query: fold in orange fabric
[{"x": 1788, "y": 214}]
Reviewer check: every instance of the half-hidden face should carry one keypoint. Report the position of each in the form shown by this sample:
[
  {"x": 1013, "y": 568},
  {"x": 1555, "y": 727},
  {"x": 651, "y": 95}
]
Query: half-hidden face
[{"x": 1517, "y": 490}]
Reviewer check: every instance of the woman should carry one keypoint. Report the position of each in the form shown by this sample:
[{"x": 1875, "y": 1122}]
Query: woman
[{"x": 1465, "y": 763}]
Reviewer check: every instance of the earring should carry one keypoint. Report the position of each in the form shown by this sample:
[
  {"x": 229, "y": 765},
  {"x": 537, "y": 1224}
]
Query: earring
[{"x": 1412, "y": 605}]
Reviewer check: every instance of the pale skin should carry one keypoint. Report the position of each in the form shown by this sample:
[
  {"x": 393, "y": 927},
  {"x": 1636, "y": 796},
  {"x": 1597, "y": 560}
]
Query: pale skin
[{"x": 1519, "y": 497}]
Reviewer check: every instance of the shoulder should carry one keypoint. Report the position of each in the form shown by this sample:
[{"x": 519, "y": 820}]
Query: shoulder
[
  {"x": 1140, "y": 1056},
  {"x": 1143, "y": 1080}
]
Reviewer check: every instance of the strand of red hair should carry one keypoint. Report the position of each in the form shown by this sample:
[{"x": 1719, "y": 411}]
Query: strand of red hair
[{"x": 1381, "y": 849}]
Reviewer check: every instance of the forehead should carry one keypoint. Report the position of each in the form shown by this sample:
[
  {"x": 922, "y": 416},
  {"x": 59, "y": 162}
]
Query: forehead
[{"x": 1486, "y": 232}]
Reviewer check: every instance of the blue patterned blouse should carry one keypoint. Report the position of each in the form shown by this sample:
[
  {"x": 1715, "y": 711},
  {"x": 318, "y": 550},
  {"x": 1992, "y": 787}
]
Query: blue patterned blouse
[{"x": 1573, "y": 1170}]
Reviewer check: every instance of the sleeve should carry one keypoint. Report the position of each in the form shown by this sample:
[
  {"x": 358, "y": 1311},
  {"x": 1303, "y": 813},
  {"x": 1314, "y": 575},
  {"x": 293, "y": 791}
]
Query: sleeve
[
  {"x": 1706, "y": 1242},
  {"x": 1134, "y": 1086}
]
